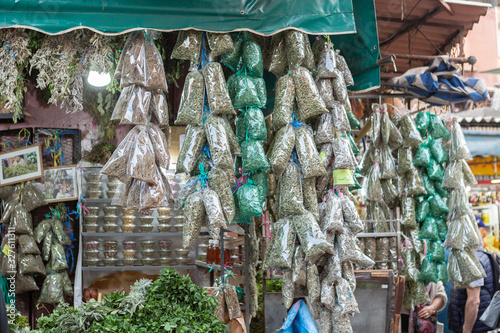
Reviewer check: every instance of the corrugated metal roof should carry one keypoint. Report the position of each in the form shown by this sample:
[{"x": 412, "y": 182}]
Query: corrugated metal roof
[
  {"x": 479, "y": 115},
  {"x": 430, "y": 24}
]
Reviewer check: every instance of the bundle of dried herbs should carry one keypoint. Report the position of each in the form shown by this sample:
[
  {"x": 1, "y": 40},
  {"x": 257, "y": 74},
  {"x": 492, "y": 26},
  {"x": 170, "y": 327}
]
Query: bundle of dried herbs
[
  {"x": 326, "y": 64},
  {"x": 290, "y": 191},
  {"x": 217, "y": 94},
  {"x": 309, "y": 101},
  {"x": 219, "y": 44},
  {"x": 255, "y": 124},
  {"x": 340, "y": 118},
  {"x": 325, "y": 89},
  {"x": 118, "y": 162},
  {"x": 252, "y": 57},
  {"x": 218, "y": 181},
  {"x": 284, "y": 100},
  {"x": 339, "y": 87},
  {"x": 214, "y": 213},
  {"x": 247, "y": 202},
  {"x": 52, "y": 289},
  {"x": 333, "y": 219},
  {"x": 193, "y": 143},
  {"x": 374, "y": 190},
  {"x": 414, "y": 183},
  {"x": 32, "y": 197},
  {"x": 324, "y": 131},
  {"x": 253, "y": 156},
  {"x": 409, "y": 215},
  {"x": 277, "y": 59},
  {"x": 411, "y": 135},
  {"x": 295, "y": 48},
  {"x": 284, "y": 141},
  {"x": 342, "y": 66},
  {"x": 351, "y": 217},
  {"x": 194, "y": 211},
  {"x": 141, "y": 159},
  {"x": 311, "y": 237}
]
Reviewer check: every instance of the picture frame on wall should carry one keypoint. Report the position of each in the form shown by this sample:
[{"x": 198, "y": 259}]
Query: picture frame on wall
[
  {"x": 21, "y": 164},
  {"x": 59, "y": 183}
]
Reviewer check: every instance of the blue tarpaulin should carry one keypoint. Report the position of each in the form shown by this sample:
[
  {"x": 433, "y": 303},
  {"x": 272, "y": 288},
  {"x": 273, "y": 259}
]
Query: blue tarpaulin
[
  {"x": 483, "y": 143},
  {"x": 440, "y": 84}
]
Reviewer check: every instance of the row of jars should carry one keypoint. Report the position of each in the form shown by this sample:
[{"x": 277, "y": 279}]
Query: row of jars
[{"x": 94, "y": 186}]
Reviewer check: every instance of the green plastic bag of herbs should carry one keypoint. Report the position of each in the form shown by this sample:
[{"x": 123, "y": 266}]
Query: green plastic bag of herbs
[
  {"x": 442, "y": 271},
  {"x": 429, "y": 229},
  {"x": 437, "y": 130},
  {"x": 243, "y": 91},
  {"x": 428, "y": 271},
  {"x": 436, "y": 250},
  {"x": 428, "y": 183},
  {"x": 438, "y": 206},
  {"x": 410, "y": 133},
  {"x": 233, "y": 59},
  {"x": 253, "y": 156},
  {"x": 423, "y": 210},
  {"x": 255, "y": 124},
  {"x": 423, "y": 156},
  {"x": 438, "y": 152},
  {"x": 248, "y": 202},
  {"x": 422, "y": 121},
  {"x": 259, "y": 178},
  {"x": 252, "y": 57},
  {"x": 435, "y": 170}
]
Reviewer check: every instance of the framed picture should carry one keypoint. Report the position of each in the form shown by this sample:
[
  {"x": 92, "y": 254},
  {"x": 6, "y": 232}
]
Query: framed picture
[
  {"x": 59, "y": 183},
  {"x": 22, "y": 164}
]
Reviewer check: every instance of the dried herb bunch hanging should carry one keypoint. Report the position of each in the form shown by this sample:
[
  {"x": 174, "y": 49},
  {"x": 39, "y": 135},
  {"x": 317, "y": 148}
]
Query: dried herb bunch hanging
[{"x": 14, "y": 54}]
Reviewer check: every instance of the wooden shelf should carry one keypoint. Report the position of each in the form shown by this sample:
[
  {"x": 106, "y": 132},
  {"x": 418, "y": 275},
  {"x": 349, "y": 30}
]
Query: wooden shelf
[
  {"x": 131, "y": 234},
  {"x": 132, "y": 268}
]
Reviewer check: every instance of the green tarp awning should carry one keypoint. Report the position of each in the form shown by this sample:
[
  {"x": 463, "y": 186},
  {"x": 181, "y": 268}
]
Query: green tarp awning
[{"x": 352, "y": 23}]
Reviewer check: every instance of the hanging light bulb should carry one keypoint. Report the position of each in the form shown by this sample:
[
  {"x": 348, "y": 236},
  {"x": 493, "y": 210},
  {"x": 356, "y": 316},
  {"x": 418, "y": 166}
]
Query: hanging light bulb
[{"x": 98, "y": 79}]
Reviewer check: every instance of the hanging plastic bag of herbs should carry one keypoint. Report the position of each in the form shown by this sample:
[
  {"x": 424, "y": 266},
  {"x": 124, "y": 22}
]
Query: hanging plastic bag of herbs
[
  {"x": 217, "y": 93},
  {"x": 30, "y": 264},
  {"x": 324, "y": 130},
  {"x": 255, "y": 124},
  {"x": 344, "y": 68},
  {"x": 410, "y": 133},
  {"x": 345, "y": 297},
  {"x": 408, "y": 207},
  {"x": 385, "y": 126},
  {"x": 218, "y": 181},
  {"x": 52, "y": 289},
  {"x": 310, "y": 103},
  {"x": 423, "y": 210},
  {"x": 309, "y": 196},
  {"x": 160, "y": 146},
  {"x": 395, "y": 138},
  {"x": 428, "y": 271},
  {"x": 423, "y": 156},
  {"x": 455, "y": 236},
  {"x": 247, "y": 201},
  {"x": 233, "y": 59},
  {"x": 472, "y": 237},
  {"x": 119, "y": 67},
  {"x": 324, "y": 323},
  {"x": 462, "y": 268},
  {"x": 290, "y": 191},
  {"x": 350, "y": 216},
  {"x": 324, "y": 182},
  {"x": 158, "y": 108},
  {"x": 188, "y": 45},
  {"x": 325, "y": 89},
  {"x": 453, "y": 175},
  {"x": 219, "y": 44},
  {"x": 234, "y": 145},
  {"x": 422, "y": 121},
  {"x": 438, "y": 206},
  {"x": 133, "y": 106},
  {"x": 440, "y": 190},
  {"x": 25, "y": 283},
  {"x": 442, "y": 272},
  {"x": 346, "y": 246},
  {"x": 437, "y": 151},
  {"x": 389, "y": 190},
  {"x": 194, "y": 211},
  {"x": 58, "y": 257},
  {"x": 259, "y": 179},
  {"x": 436, "y": 250},
  {"x": 326, "y": 64},
  {"x": 117, "y": 163},
  {"x": 408, "y": 266},
  {"x": 278, "y": 61},
  {"x": 67, "y": 286},
  {"x": 141, "y": 163},
  {"x": 370, "y": 247},
  {"x": 435, "y": 170},
  {"x": 376, "y": 125},
  {"x": 309, "y": 159},
  {"x": 232, "y": 303},
  {"x": 414, "y": 183},
  {"x": 154, "y": 196},
  {"x": 387, "y": 164},
  {"x": 442, "y": 228},
  {"x": 429, "y": 229},
  {"x": 32, "y": 197},
  {"x": 404, "y": 160},
  {"x": 458, "y": 148},
  {"x": 284, "y": 100},
  {"x": 469, "y": 178},
  {"x": 253, "y": 156},
  {"x": 340, "y": 119},
  {"x": 311, "y": 237},
  {"x": 344, "y": 157},
  {"x": 354, "y": 146},
  {"x": 252, "y": 57},
  {"x": 240, "y": 128},
  {"x": 287, "y": 288},
  {"x": 334, "y": 219},
  {"x": 367, "y": 159},
  {"x": 295, "y": 48},
  {"x": 326, "y": 154},
  {"x": 377, "y": 215},
  {"x": 243, "y": 91},
  {"x": 60, "y": 233},
  {"x": 41, "y": 229},
  {"x": 340, "y": 87},
  {"x": 437, "y": 130},
  {"x": 261, "y": 90},
  {"x": 428, "y": 183},
  {"x": 374, "y": 190},
  {"x": 46, "y": 246},
  {"x": 134, "y": 62},
  {"x": 21, "y": 221},
  {"x": 191, "y": 106},
  {"x": 348, "y": 274},
  {"x": 220, "y": 152},
  {"x": 283, "y": 245},
  {"x": 214, "y": 213},
  {"x": 299, "y": 268}
]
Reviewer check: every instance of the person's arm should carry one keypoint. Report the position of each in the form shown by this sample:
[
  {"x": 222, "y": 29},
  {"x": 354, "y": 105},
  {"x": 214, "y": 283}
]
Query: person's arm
[
  {"x": 471, "y": 308},
  {"x": 429, "y": 310}
]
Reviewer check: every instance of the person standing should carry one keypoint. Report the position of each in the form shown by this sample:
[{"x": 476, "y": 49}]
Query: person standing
[{"x": 468, "y": 304}]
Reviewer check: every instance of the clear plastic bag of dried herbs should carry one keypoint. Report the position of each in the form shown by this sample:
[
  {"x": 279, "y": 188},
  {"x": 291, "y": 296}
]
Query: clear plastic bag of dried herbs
[
  {"x": 214, "y": 212},
  {"x": 374, "y": 190},
  {"x": 344, "y": 156},
  {"x": 350, "y": 216},
  {"x": 345, "y": 297},
  {"x": 41, "y": 229},
  {"x": 299, "y": 267},
  {"x": 58, "y": 257},
  {"x": 193, "y": 143},
  {"x": 117, "y": 163},
  {"x": 409, "y": 132},
  {"x": 253, "y": 156},
  {"x": 414, "y": 183},
  {"x": 220, "y": 152},
  {"x": 385, "y": 126},
  {"x": 255, "y": 124},
  {"x": 309, "y": 196},
  {"x": 260, "y": 83},
  {"x": 295, "y": 48},
  {"x": 232, "y": 303},
  {"x": 46, "y": 246},
  {"x": 191, "y": 105},
  {"x": 218, "y": 181},
  {"x": 219, "y": 44},
  {"x": 188, "y": 45},
  {"x": 21, "y": 221},
  {"x": 52, "y": 289},
  {"x": 287, "y": 288},
  {"x": 404, "y": 160},
  {"x": 409, "y": 216},
  {"x": 469, "y": 178},
  {"x": 309, "y": 101},
  {"x": 367, "y": 159},
  {"x": 284, "y": 100},
  {"x": 278, "y": 61},
  {"x": 160, "y": 146},
  {"x": 282, "y": 246},
  {"x": 389, "y": 189},
  {"x": 324, "y": 131},
  {"x": 326, "y": 64},
  {"x": 217, "y": 94},
  {"x": 311, "y": 237},
  {"x": 141, "y": 162},
  {"x": 409, "y": 268},
  {"x": 344, "y": 68},
  {"x": 25, "y": 283},
  {"x": 233, "y": 59},
  {"x": 194, "y": 211},
  {"x": 340, "y": 119},
  {"x": 60, "y": 232},
  {"x": 290, "y": 191},
  {"x": 30, "y": 264},
  {"x": 340, "y": 87},
  {"x": 334, "y": 218},
  {"x": 387, "y": 164},
  {"x": 307, "y": 153},
  {"x": 133, "y": 106},
  {"x": 458, "y": 147},
  {"x": 453, "y": 176},
  {"x": 325, "y": 89}
]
